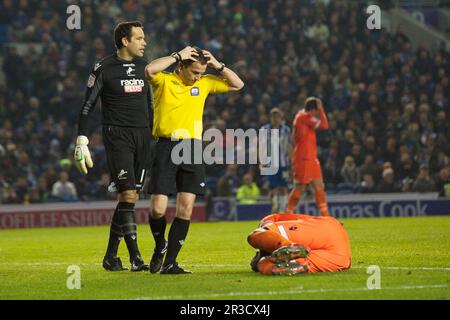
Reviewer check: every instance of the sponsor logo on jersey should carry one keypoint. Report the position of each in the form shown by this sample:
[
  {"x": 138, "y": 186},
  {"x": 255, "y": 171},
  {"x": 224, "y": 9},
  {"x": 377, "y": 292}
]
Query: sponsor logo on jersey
[
  {"x": 195, "y": 91},
  {"x": 132, "y": 85},
  {"x": 121, "y": 175},
  {"x": 130, "y": 72},
  {"x": 91, "y": 80}
]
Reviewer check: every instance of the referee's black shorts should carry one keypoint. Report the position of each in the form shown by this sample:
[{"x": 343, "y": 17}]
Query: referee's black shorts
[
  {"x": 128, "y": 153},
  {"x": 168, "y": 177}
]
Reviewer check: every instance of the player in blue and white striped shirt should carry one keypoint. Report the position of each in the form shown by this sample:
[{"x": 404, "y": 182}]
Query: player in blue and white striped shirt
[{"x": 279, "y": 182}]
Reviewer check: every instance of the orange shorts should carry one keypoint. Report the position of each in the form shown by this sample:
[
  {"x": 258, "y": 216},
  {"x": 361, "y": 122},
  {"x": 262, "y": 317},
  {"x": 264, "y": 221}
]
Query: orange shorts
[{"x": 304, "y": 171}]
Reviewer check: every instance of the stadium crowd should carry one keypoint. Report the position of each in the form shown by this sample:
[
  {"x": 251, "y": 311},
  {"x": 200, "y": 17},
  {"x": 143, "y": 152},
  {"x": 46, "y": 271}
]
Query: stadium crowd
[{"x": 387, "y": 103}]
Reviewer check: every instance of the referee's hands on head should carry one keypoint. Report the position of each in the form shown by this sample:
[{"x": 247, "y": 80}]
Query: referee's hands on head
[{"x": 188, "y": 53}]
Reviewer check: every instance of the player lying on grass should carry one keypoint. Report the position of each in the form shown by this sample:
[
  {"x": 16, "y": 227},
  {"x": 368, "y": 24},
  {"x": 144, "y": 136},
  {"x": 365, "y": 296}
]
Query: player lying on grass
[{"x": 290, "y": 244}]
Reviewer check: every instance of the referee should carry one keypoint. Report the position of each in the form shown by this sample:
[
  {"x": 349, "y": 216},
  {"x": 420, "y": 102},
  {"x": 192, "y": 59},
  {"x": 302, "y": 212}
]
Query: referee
[
  {"x": 179, "y": 101},
  {"x": 127, "y": 117}
]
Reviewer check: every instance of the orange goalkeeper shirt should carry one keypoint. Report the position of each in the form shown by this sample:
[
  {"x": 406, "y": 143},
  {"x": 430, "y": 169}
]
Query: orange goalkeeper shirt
[
  {"x": 304, "y": 135},
  {"x": 315, "y": 233}
]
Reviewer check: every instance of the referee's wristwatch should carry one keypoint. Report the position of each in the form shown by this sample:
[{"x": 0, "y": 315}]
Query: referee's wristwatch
[
  {"x": 222, "y": 67},
  {"x": 176, "y": 55}
]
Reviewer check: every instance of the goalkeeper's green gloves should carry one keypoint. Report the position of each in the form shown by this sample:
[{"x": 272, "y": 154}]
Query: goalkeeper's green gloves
[{"x": 82, "y": 155}]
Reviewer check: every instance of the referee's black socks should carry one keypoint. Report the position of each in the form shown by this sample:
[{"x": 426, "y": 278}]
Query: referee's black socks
[
  {"x": 128, "y": 223},
  {"x": 177, "y": 235},
  {"x": 158, "y": 228}
]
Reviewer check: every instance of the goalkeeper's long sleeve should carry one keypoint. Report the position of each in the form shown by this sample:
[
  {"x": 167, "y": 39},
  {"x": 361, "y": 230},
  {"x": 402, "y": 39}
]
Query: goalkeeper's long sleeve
[{"x": 93, "y": 91}]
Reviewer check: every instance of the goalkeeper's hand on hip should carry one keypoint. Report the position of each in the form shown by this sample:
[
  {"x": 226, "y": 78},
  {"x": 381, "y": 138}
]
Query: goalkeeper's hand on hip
[{"x": 82, "y": 155}]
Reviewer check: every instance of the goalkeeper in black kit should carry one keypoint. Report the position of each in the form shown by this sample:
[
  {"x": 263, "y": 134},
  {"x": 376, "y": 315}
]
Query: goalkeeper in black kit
[{"x": 127, "y": 118}]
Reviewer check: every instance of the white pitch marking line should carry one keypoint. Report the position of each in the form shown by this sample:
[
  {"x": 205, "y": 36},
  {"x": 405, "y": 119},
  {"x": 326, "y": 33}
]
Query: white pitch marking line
[
  {"x": 208, "y": 265},
  {"x": 48, "y": 264},
  {"x": 236, "y": 294},
  {"x": 355, "y": 267},
  {"x": 406, "y": 268}
]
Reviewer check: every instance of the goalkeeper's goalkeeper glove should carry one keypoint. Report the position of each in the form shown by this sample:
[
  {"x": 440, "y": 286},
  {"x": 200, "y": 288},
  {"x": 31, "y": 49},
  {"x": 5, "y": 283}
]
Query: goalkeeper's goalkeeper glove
[{"x": 82, "y": 155}]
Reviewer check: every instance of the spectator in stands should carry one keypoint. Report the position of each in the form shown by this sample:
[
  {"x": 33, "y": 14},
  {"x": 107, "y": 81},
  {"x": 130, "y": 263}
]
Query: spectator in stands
[
  {"x": 66, "y": 165},
  {"x": 390, "y": 152},
  {"x": 387, "y": 164},
  {"x": 319, "y": 31},
  {"x": 370, "y": 147},
  {"x": 26, "y": 167},
  {"x": 42, "y": 187},
  {"x": 50, "y": 175},
  {"x": 331, "y": 166},
  {"x": 83, "y": 187},
  {"x": 357, "y": 154},
  {"x": 4, "y": 186},
  {"x": 63, "y": 189},
  {"x": 367, "y": 184},
  {"x": 100, "y": 191},
  {"x": 228, "y": 184},
  {"x": 350, "y": 172},
  {"x": 249, "y": 191},
  {"x": 348, "y": 142},
  {"x": 10, "y": 196},
  {"x": 443, "y": 182},
  {"x": 13, "y": 77},
  {"x": 21, "y": 188},
  {"x": 406, "y": 167},
  {"x": 406, "y": 184},
  {"x": 439, "y": 162},
  {"x": 340, "y": 98},
  {"x": 411, "y": 138},
  {"x": 369, "y": 167},
  {"x": 423, "y": 182},
  {"x": 387, "y": 183},
  {"x": 35, "y": 197}
]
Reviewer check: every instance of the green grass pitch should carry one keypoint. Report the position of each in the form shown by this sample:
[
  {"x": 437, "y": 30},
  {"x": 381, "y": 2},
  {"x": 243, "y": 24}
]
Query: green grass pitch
[{"x": 413, "y": 255}]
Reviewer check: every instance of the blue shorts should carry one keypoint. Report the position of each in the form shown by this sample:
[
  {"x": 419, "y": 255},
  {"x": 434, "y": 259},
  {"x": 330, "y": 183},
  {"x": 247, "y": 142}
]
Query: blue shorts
[{"x": 280, "y": 179}]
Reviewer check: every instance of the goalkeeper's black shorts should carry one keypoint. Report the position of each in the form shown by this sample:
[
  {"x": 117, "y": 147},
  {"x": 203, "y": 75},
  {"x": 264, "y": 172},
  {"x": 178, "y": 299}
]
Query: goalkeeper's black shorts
[
  {"x": 128, "y": 153},
  {"x": 169, "y": 177}
]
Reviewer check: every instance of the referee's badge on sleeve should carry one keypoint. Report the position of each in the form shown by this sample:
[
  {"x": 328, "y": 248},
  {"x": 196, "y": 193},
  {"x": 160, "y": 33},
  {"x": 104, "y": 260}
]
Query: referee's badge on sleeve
[
  {"x": 195, "y": 91},
  {"x": 91, "y": 80}
]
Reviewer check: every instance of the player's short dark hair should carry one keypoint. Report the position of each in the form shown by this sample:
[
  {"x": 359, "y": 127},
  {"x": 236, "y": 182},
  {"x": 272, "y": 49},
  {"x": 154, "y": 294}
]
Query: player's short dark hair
[
  {"x": 311, "y": 104},
  {"x": 201, "y": 58},
  {"x": 123, "y": 29}
]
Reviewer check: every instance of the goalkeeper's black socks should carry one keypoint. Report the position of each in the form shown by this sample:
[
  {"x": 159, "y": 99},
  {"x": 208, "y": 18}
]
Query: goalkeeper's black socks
[
  {"x": 128, "y": 223},
  {"x": 158, "y": 228},
  {"x": 115, "y": 235},
  {"x": 177, "y": 235}
]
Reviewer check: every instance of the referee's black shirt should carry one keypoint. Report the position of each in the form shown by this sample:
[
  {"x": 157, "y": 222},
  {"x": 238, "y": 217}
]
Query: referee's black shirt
[{"x": 124, "y": 92}]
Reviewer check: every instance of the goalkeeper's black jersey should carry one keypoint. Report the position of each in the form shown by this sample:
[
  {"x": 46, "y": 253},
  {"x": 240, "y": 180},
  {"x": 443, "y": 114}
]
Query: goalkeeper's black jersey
[{"x": 124, "y": 93}]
